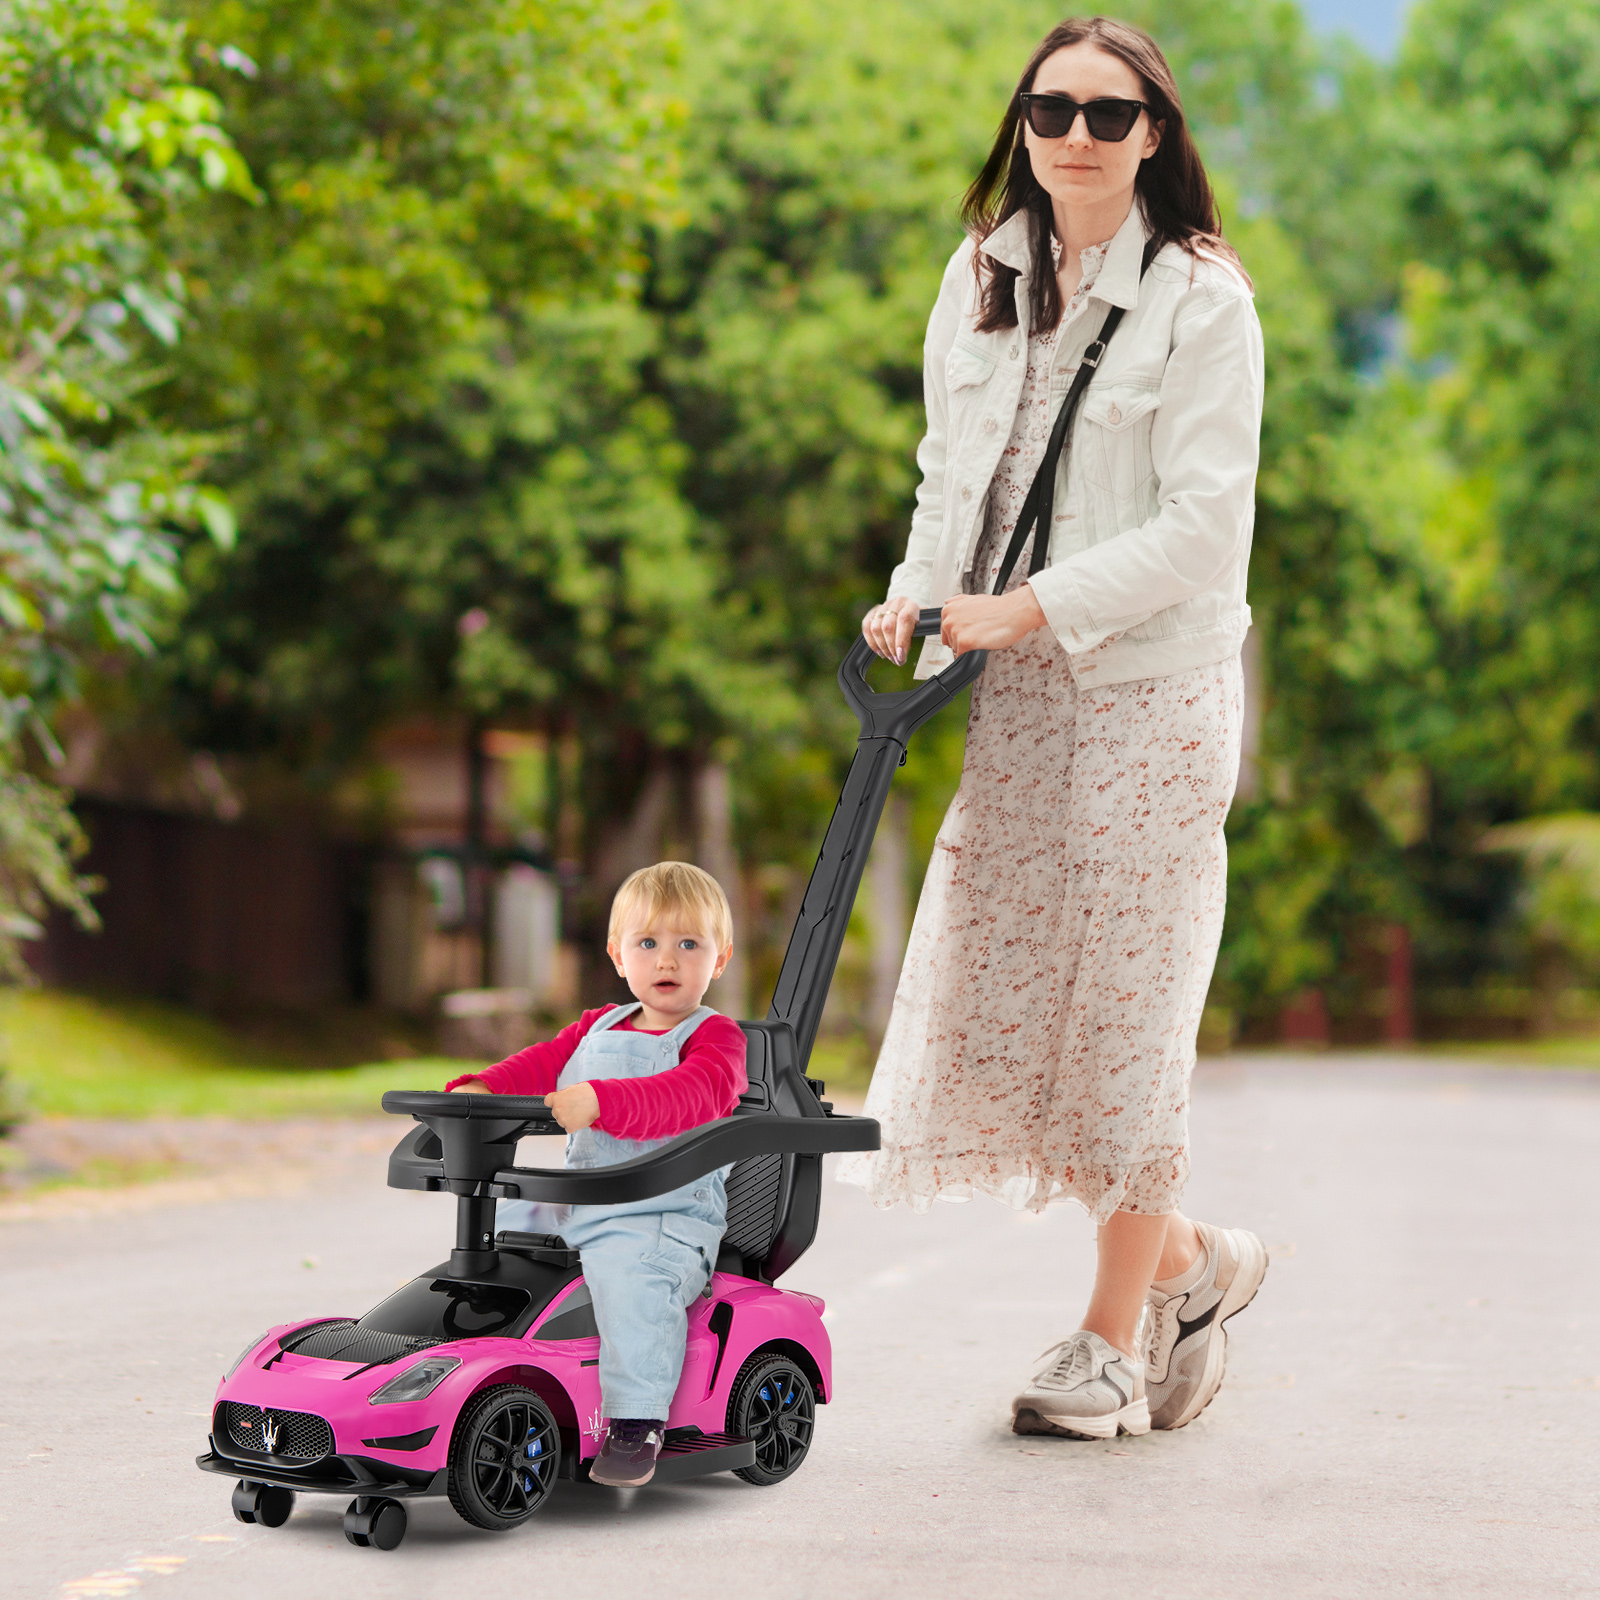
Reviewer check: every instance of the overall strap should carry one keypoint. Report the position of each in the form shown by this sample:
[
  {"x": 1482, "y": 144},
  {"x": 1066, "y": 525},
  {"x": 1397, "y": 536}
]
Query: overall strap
[
  {"x": 689, "y": 1024},
  {"x": 1036, "y": 514},
  {"x": 615, "y": 1015}
]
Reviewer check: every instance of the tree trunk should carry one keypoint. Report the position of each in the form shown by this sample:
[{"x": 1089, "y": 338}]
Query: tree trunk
[
  {"x": 1400, "y": 1021},
  {"x": 1551, "y": 978},
  {"x": 623, "y": 849},
  {"x": 714, "y": 850},
  {"x": 886, "y": 912},
  {"x": 475, "y": 868},
  {"x": 637, "y": 842}
]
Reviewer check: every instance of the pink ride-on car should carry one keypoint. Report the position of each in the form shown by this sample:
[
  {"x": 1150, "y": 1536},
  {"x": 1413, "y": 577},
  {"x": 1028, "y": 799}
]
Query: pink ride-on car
[{"x": 478, "y": 1380}]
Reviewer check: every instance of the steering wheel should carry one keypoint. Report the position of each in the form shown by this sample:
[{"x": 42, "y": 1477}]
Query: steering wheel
[{"x": 431, "y": 1103}]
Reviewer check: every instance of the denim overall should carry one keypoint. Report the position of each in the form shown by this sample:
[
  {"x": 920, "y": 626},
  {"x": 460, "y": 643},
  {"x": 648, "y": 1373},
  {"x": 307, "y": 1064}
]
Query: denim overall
[{"x": 647, "y": 1260}]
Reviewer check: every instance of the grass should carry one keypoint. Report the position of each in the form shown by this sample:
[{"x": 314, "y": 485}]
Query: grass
[
  {"x": 77, "y": 1056},
  {"x": 844, "y": 1063},
  {"x": 1581, "y": 1051}
]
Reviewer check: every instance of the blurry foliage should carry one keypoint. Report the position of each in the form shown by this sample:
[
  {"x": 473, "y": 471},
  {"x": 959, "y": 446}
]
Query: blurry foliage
[
  {"x": 1561, "y": 895},
  {"x": 456, "y": 494},
  {"x": 562, "y": 363},
  {"x": 1424, "y": 577},
  {"x": 104, "y": 143},
  {"x": 825, "y": 154}
]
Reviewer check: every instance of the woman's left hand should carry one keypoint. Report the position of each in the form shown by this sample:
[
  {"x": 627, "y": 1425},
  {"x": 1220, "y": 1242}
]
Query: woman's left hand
[{"x": 989, "y": 621}]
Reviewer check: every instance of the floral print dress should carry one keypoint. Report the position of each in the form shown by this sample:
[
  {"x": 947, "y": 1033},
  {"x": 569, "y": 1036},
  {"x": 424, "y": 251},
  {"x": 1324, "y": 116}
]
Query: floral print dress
[{"x": 1042, "y": 1036}]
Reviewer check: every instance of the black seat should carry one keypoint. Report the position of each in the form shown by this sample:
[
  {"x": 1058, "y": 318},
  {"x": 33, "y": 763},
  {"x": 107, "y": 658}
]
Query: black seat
[{"x": 773, "y": 1200}]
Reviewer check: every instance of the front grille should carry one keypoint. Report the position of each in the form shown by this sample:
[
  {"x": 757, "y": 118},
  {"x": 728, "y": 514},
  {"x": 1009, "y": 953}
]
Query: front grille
[
  {"x": 343, "y": 1341},
  {"x": 293, "y": 1435}
]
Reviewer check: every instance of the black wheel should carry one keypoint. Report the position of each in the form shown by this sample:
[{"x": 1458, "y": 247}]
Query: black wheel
[
  {"x": 504, "y": 1456},
  {"x": 265, "y": 1503},
  {"x": 774, "y": 1404},
  {"x": 375, "y": 1523},
  {"x": 244, "y": 1500},
  {"x": 273, "y": 1505}
]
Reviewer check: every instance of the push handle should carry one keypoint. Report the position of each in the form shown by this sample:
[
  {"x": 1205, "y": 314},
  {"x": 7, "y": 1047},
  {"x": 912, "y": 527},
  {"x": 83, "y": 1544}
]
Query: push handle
[
  {"x": 887, "y": 723},
  {"x": 420, "y": 1163},
  {"x": 898, "y": 713},
  {"x": 691, "y": 1155}
]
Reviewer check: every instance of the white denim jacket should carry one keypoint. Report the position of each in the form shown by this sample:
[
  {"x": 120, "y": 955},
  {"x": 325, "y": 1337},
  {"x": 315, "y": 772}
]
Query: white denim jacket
[{"x": 1155, "y": 499}]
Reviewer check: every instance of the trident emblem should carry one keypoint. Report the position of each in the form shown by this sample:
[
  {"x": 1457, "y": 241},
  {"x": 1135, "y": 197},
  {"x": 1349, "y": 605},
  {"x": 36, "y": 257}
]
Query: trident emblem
[{"x": 269, "y": 1435}]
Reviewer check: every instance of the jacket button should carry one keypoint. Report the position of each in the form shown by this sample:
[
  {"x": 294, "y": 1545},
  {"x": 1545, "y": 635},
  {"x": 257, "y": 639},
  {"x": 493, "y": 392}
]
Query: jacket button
[
  {"x": 989, "y": 424},
  {"x": 1114, "y": 413},
  {"x": 966, "y": 493},
  {"x": 1012, "y": 352}
]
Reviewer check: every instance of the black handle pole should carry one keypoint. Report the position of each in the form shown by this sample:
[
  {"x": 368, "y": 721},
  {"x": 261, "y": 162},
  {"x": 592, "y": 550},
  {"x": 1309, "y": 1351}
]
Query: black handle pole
[
  {"x": 475, "y": 1250},
  {"x": 887, "y": 723}
]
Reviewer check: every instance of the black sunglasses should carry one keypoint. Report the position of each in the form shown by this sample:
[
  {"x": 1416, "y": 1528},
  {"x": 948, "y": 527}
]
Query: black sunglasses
[{"x": 1051, "y": 116}]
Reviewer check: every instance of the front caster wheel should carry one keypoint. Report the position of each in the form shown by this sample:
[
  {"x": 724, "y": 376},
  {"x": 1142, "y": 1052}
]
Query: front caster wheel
[
  {"x": 374, "y": 1522},
  {"x": 265, "y": 1503},
  {"x": 774, "y": 1404}
]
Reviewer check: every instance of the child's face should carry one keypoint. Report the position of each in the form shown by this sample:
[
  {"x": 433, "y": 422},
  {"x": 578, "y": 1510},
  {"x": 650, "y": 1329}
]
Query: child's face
[{"x": 667, "y": 963}]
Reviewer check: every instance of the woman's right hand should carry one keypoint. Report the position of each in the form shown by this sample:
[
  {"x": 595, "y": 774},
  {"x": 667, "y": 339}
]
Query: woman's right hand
[{"x": 887, "y": 628}]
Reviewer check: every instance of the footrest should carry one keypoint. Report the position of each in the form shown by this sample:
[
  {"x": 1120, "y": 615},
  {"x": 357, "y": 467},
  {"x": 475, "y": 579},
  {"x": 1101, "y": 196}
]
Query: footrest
[{"x": 706, "y": 1452}]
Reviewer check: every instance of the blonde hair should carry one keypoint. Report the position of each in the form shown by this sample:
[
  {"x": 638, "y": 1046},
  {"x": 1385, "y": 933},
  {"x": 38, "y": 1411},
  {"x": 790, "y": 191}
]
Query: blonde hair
[{"x": 674, "y": 886}]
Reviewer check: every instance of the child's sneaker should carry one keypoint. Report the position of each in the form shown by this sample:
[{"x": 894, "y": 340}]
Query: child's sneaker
[
  {"x": 1186, "y": 1345},
  {"x": 1086, "y": 1389},
  {"x": 627, "y": 1458}
]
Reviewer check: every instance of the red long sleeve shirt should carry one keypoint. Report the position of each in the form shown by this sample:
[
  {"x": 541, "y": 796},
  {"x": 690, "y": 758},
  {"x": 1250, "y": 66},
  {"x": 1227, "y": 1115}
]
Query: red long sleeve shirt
[{"x": 705, "y": 1084}]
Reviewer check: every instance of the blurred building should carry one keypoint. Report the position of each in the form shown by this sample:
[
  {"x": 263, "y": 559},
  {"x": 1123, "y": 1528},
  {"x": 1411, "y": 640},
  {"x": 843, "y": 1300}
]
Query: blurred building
[{"x": 224, "y": 886}]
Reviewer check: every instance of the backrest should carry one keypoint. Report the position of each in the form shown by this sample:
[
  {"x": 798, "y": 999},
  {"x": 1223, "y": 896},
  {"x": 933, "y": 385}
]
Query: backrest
[{"x": 773, "y": 1201}]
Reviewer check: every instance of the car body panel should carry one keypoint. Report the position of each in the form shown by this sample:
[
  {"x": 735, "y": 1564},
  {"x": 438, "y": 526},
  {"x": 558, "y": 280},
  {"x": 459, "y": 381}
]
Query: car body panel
[{"x": 565, "y": 1372}]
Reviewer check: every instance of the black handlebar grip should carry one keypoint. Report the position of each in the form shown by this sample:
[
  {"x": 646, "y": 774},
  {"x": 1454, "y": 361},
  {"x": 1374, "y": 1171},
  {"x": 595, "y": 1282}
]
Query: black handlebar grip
[{"x": 898, "y": 713}]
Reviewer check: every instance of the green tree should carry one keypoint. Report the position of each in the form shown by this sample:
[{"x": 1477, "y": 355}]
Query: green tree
[
  {"x": 456, "y": 494},
  {"x": 104, "y": 142},
  {"x": 825, "y": 156},
  {"x": 1499, "y": 154},
  {"x": 1463, "y": 666}
]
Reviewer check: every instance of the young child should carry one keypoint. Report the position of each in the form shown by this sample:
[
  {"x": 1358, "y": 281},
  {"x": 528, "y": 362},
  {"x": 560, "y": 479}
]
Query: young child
[{"x": 623, "y": 1080}]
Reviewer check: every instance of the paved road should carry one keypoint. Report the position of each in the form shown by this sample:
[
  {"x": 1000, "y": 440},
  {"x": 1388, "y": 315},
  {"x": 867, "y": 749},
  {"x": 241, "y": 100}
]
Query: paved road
[{"x": 1413, "y": 1405}]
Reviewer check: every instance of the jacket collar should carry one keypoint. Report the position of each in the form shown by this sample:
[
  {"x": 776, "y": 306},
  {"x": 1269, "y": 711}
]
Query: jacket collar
[
  {"x": 1118, "y": 283},
  {"x": 1011, "y": 245}
]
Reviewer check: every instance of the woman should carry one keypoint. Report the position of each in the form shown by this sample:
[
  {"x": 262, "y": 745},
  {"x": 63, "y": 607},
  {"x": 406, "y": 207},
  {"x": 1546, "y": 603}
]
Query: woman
[{"x": 1043, "y": 1032}]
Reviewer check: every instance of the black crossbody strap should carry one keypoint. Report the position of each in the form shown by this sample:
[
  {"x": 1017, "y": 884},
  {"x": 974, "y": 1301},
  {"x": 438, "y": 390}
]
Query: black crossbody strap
[{"x": 1039, "y": 506}]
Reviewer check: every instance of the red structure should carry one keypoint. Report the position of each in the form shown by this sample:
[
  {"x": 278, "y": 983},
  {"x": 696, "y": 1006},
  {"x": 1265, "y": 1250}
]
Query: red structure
[
  {"x": 1400, "y": 1011},
  {"x": 1305, "y": 1019}
]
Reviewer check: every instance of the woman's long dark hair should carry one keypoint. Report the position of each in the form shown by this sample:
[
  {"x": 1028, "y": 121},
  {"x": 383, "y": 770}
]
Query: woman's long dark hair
[{"x": 1172, "y": 184}]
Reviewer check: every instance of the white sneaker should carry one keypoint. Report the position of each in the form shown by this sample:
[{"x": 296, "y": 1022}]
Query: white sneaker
[
  {"x": 1186, "y": 1345},
  {"x": 1086, "y": 1389}
]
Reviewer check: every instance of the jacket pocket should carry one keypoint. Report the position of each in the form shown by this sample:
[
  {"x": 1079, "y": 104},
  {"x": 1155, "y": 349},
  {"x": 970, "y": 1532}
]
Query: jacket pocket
[
  {"x": 966, "y": 369},
  {"x": 1117, "y": 423}
]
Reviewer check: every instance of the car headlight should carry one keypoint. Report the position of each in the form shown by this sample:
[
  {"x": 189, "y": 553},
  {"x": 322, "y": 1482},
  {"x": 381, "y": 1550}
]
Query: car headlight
[
  {"x": 238, "y": 1360},
  {"x": 415, "y": 1382}
]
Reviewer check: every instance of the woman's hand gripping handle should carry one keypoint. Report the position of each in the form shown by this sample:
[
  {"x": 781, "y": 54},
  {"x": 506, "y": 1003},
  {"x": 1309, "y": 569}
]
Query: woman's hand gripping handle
[
  {"x": 970, "y": 622},
  {"x": 888, "y": 628}
]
